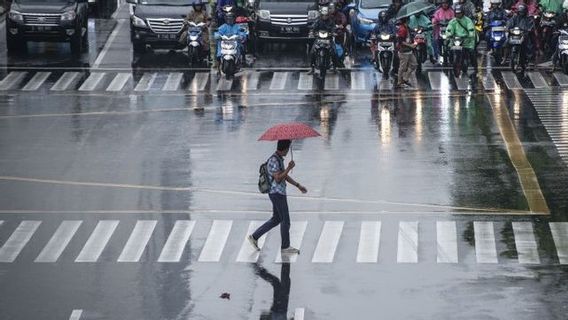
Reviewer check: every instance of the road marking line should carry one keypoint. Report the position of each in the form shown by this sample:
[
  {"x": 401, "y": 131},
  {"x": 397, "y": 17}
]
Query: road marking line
[
  {"x": 489, "y": 81},
  {"x": 435, "y": 80},
  {"x": 173, "y": 81},
  {"x": 299, "y": 314},
  {"x": 59, "y": 241},
  {"x": 65, "y": 81},
  {"x": 138, "y": 240},
  {"x": 331, "y": 82},
  {"x": 224, "y": 84},
  {"x": 559, "y": 232},
  {"x": 97, "y": 241},
  {"x": 407, "y": 242},
  {"x": 119, "y": 82},
  {"x": 357, "y": 80},
  {"x": 199, "y": 82},
  {"x": 146, "y": 82},
  {"x": 18, "y": 240},
  {"x": 12, "y": 80},
  {"x": 561, "y": 78},
  {"x": 485, "y": 248},
  {"x": 297, "y": 230},
  {"x": 447, "y": 243},
  {"x": 173, "y": 249},
  {"x": 511, "y": 80},
  {"x": 1, "y": 222},
  {"x": 328, "y": 241},
  {"x": 462, "y": 83},
  {"x": 305, "y": 82},
  {"x": 247, "y": 252},
  {"x": 527, "y": 176},
  {"x": 92, "y": 81},
  {"x": 538, "y": 80},
  {"x": 216, "y": 240},
  {"x": 108, "y": 44},
  {"x": 369, "y": 241},
  {"x": 76, "y": 314},
  {"x": 279, "y": 80},
  {"x": 413, "y": 82},
  {"x": 252, "y": 81},
  {"x": 382, "y": 84},
  {"x": 36, "y": 82},
  {"x": 525, "y": 242}
]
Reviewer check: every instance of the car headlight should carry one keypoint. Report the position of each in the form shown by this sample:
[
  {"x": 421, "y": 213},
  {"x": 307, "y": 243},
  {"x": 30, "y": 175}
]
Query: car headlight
[
  {"x": 264, "y": 14},
  {"x": 137, "y": 22},
  {"x": 68, "y": 16},
  {"x": 364, "y": 20},
  {"x": 16, "y": 16},
  {"x": 313, "y": 14}
]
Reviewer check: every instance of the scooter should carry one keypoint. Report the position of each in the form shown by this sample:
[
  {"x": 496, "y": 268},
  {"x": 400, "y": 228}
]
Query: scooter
[
  {"x": 384, "y": 52},
  {"x": 458, "y": 56},
  {"x": 195, "y": 51},
  {"x": 562, "y": 50},
  {"x": 547, "y": 29},
  {"x": 497, "y": 40},
  {"x": 231, "y": 56},
  {"x": 517, "y": 48},
  {"x": 420, "y": 52},
  {"x": 443, "y": 43},
  {"x": 322, "y": 45}
]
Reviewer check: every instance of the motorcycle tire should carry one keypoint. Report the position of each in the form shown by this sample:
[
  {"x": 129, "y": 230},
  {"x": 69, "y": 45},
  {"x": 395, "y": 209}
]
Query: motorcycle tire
[
  {"x": 515, "y": 60},
  {"x": 498, "y": 56},
  {"x": 192, "y": 55},
  {"x": 457, "y": 62},
  {"x": 385, "y": 66},
  {"x": 228, "y": 68},
  {"x": 564, "y": 63}
]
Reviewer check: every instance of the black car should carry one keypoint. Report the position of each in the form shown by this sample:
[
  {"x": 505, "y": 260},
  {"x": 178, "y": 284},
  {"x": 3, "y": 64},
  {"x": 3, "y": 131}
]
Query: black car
[
  {"x": 157, "y": 23},
  {"x": 47, "y": 20},
  {"x": 285, "y": 19}
]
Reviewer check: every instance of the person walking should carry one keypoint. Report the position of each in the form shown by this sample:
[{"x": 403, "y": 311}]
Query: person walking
[
  {"x": 406, "y": 55},
  {"x": 279, "y": 176}
]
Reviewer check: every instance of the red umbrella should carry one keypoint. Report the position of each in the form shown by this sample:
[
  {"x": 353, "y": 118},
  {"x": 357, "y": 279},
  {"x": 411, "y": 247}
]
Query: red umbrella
[{"x": 289, "y": 131}]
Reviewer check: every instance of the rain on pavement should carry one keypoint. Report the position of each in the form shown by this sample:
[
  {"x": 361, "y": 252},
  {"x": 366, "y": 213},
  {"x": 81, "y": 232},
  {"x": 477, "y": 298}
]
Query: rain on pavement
[{"x": 129, "y": 183}]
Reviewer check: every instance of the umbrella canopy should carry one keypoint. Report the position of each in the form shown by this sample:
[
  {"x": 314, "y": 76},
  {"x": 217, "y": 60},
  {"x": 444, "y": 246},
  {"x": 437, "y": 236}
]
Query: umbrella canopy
[
  {"x": 289, "y": 131},
  {"x": 413, "y": 8}
]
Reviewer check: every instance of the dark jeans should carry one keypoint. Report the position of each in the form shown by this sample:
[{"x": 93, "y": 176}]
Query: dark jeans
[{"x": 280, "y": 215}]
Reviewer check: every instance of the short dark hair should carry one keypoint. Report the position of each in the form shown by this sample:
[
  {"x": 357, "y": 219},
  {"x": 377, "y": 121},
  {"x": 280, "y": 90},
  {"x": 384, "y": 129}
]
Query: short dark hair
[{"x": 283, "y": 145}]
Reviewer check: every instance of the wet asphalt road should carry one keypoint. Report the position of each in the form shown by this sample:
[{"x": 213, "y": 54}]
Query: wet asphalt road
[{"x": 127, "y": 191}]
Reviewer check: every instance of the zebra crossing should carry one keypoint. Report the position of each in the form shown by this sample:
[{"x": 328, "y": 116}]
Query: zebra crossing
[
  {"x": 551, "y": 109},
  {"x": 279, "y": 81},
  {"x": 335, "y": 239}
]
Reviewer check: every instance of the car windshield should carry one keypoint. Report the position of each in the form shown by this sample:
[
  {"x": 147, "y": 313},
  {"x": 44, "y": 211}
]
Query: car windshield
[
  {"x": 166, "y": 2},
  {"x": 370, "y": 4}
]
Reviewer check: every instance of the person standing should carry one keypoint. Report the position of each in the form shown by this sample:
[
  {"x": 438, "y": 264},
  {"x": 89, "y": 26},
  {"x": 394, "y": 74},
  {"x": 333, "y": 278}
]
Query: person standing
[
  {"x": 279, "y": 176},
  {"x": 406, "y": 55}
]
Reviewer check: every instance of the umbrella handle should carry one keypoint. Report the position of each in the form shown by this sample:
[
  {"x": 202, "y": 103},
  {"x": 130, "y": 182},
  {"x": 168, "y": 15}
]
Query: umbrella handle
[{"x": 291, "y": 153}]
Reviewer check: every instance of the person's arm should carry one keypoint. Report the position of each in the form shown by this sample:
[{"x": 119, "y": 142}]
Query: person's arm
[
  {"x": 279, "y": 176},
  {"x": 296, "y": 184}
]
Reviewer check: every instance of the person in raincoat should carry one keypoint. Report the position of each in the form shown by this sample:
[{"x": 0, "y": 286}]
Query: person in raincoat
[
  {"x": 463, "y": 27},
  {"x": 552, "y": 5},
  {"x": 421, "y": 20},
  {"x": 532, "y": 7},
  {"x": 443, "y": 13}
]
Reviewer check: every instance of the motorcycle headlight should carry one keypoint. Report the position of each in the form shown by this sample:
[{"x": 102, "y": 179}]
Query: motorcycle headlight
[
  {"x": 516, "y": 32},
  {"x": 16, "y": 16},
  {"x": 323, "y": 34},
  {"x": 68, "y": 16},
  {"x": 457, "y": 43},
  {"x": 444, "y": 36},
  {"x": 137, "y": 22},
  {"x": 497, "y": 38},
  {"x": 193, "y": 37},
  {"x": 313, "y": 14},
  {"x": 385, "y": 37},
  {"x": 228, "y": 46},
  {"x": 264, "y": 14},
  {"x": 364, "y": 21},
  {"x": 549, "y": 15}
]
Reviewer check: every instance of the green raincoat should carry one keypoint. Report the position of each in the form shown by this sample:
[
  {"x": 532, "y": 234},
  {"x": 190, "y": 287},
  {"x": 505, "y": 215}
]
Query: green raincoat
[
  {"x": 423, "y": 21},
  {"x": 551, "y": 5},
  {"x": 467, "y": 32}
]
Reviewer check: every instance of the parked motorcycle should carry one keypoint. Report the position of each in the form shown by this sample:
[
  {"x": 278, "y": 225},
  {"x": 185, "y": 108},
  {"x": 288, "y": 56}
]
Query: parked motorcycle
[
  {"x": 517, "y": 49},
  {"x": 547, "y": 29},
  {"x": 420, "y": 52},
  {"x": 562, "y": 50},
  {"x": 231, "y": 56},
  {"x": 384, "y": 45},
  {"x": 497, "y": 40},
  {"x": 195, "y": 50},
  {"x": 458, "y": 56}
]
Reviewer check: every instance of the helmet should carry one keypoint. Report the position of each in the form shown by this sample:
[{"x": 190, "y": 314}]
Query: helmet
[
  {"x": 324, "y": 12},
  {"x": 198, "y": 4},
  {"x": 522, "y": 9},
  {"x": 458, "y": 9},
  {"x": 323, "y": 3},
  {"x": 332, "y": 8},
  {"x": 383, "y": 16},
  {"x": 230, "y": 18}
]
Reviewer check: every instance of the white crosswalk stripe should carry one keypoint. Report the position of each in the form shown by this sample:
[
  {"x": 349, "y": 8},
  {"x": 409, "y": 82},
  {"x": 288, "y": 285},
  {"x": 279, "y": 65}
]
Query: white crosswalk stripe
[
  {"x": 511, "y": 80},
  {"x": 328, "y": 241},
  {"x": 146, "y": 82},
  {"x": 119, "y": 81},
  {"x": 358, "y": 80},
  {"x": 462, "y": 83},
  {"x": 173, "y": 249},
  {"x": 199, "y": 82},
  {"x": 76, "y": 314},
  {"x": 12, "y": 80},
  {"x": 447, "y": 243},
  {"x": 216, "y": 240},
  {"x": 36, "y": 82},
  {"x": 299, "y": 314},
  {"x": 537, "y": 80},
  {"x": 18, "y": 240},
  {"x": 65, "y": 81},
  {"x": 92, "y": 81},
  {"x": 59, "y": 241},
  {"x": 525, "y": 243},
  {"x": 224, "y": 84},
  {"x": 252, "y": 81},
  {"x": 97, "y": 241},
  {"x": 561, "y": 78},
  {"x": 436, "y": 79},
  {"x": 305, "y": 82},
  {"x": 485, "y": 248},
  {"x": 138, "y": 240},
  {"x": 173, "y": 81},
  {"x": 297, "y": 230},
  {"x": 247, "y": 252},
  {"x": 489, "y": 81},
  {"x": 559, "y": 232},
  {"x": 331, "y": 82},
  {"x": 279, "y": 80},
  {"x": 369, "y": 241},
  {"x": 407, "y": 242}
]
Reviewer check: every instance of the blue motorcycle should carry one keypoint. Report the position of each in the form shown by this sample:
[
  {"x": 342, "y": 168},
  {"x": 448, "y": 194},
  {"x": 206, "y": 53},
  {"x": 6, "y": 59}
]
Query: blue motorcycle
[{"x": 497, "y": 40}]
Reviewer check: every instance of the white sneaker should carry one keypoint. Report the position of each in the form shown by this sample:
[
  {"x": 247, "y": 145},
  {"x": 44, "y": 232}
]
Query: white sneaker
[
  {"x": 290, "y": 250},
  {"x": 253, "y": 242}
]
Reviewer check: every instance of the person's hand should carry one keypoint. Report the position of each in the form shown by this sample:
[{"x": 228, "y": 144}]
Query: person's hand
[
  {"x": 291, "y": 164},
  {"x": 302, "y": 188}
]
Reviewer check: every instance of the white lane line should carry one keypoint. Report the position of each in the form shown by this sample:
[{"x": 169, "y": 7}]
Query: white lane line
[
  {"x": 297, "y": 230},
  {"x": 331, "y": 82},
  {"x": 76, "y": 314},
  {"x": 413, "y": 82},
  {"x": 489, "y": 82},
  {"x": 138, "y": 240},
  {"x": 485, "y": 248},
  {"x": 92, "y": 81},
  {"x": 252, "y": 81},
  {"x": 108, "y": 44},
  {"x": 12, "y": 80},
  {"x": 173, "y": 249},
  {"x": 247, "y": 252},
  {"x": 369, "y": 240},
  {"x": 538, "y": 80},
  {"x": 328, "y": 241},
  {"x": 119, "y": 81},
  {"x": 447, "y": 242},
  {"x": 199, "y": 82},
  {"x": 59, "y": 241},
  {"x": 560, "y": 235},
  {"x": 561, "y": 78},
  {"x": 97, "y": 241},
  {"x": 462, "y": 83},
  {"x": 173, "y": 81},
  {"x": 511, "y": 80},
  {"x": 299, "y": 314},
  {"x": 407, "y": 242},
  {"x": 18, "y": 240},
  {"x": 216, "y": 240},
  {"x": 65, "y": 81},
  {"x": 146, "y": 82},
  {"x": 435, "y": 80},
  {"x": 36, "y": 82},
  {"x": 525, "y": 243},
  {"x": 357, "y": 81},
  {"x": 224, "y": 84},
  {"x": 305, "y": 82},
  {"x": 383, "y": 84},
  {"x": 279, "y": 80},
  {"x": 1, "y": 222}
]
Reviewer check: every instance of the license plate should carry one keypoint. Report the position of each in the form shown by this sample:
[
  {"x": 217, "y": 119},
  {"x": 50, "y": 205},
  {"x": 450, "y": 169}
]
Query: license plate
[
  {"x": 168, "y": 36},
  {"x": 290, "y": 29},
  {"x": 42, "y": 28}
]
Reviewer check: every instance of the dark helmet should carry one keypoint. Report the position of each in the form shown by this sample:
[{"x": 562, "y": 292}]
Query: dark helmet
[
  {"x": 324, "y": 12},
  {"x": 383, "y": 18},
  {"x": 522, "y": 9},
  {"x": 230, "y": 18},
  {"x": 198, "y": 4},
  {"x": 458, "y": 9},
  {"x": 332, "y": 7}
]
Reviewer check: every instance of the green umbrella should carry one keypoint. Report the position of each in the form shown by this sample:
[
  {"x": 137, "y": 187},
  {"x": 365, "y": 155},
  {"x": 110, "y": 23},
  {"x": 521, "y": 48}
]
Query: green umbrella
[{"x": 413, "y": 8}]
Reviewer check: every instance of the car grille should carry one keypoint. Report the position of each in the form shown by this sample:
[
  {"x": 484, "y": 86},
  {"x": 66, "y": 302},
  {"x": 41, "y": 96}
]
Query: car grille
[
  {"x": 289, "y": 20},
  {"x": 42, "y": 19},
  {"x": 165, "y": 25}
]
